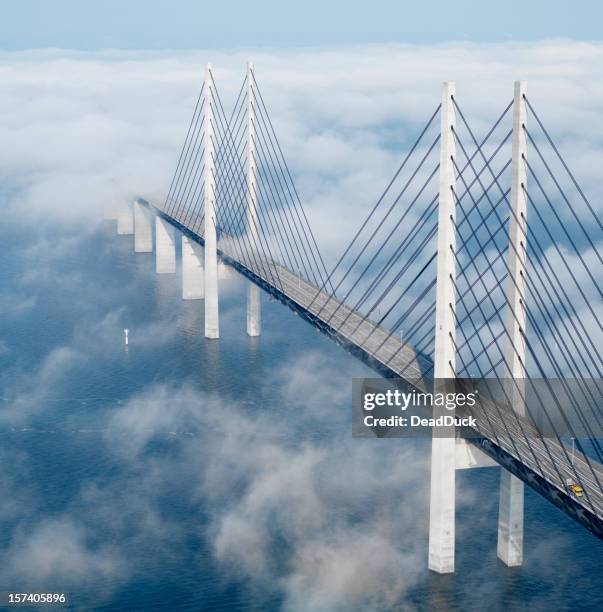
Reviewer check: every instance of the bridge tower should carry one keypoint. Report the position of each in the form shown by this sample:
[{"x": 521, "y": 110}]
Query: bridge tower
[
  {"x": 449, "y": 454},
  {"x": 443, "y": 445},
  {"x": 212, "y": 322},
  {"x": 192, "y": 270},
  {"x": 165, "y": 247},
  {"x": 253, "y": 291},
  {"x": 510, "y": 513},
  {"x": 143, "y": 228}
]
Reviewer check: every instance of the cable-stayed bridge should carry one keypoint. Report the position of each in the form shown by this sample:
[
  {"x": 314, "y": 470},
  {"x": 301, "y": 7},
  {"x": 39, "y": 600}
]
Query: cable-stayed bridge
[{"x": 480, "y": 259}]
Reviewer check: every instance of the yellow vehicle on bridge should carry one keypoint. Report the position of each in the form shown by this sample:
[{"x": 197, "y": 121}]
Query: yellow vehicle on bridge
[{"x": 577, "y": 490}]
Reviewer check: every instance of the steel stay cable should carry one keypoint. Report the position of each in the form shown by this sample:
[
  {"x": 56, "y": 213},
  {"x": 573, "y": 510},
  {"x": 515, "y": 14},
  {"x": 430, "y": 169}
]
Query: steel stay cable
[
  {"x": 263, "y": 239},
  {"x": 568, "y": 317},
  {"x": 564, "y": 383},
  {"x": 393, "y": 260},
  {"x": 492, "y": 427},
  {"x": 407, "y": 313},
  {"x": 265, "y": 154},
  {"x": 262, "y": 104},
  {"x": 550, "y": 320},
  {"x": 249, "y": 248},
  {"x": 433, "y": 201},
  {"x": 246, "y": 192},
  {"x": 226, "y": 142},
  {"x": 199, "y": 98},
  {"x": 490, "y": 132},
  {"x": 534, "y": 240},
  {"x": 500, "y": 188},
  {"x": 268, "y": 189},
  {"x": 535, "y": 177},
  {"x": 419, "y": 322},
  {"x": 488, "y": 261},
  {"x": 528, "y": 344},
  {"x": 498, "y": 148},
  {"x": 379, "y": 300},
  {"x": 546, "y": 197},
  {"x": 531, "y": 240},
  {"x": 380, "y": 224},
  {"x": 196, "y": 204},
  {"x": 463, "y": 220},
  {"x": 195, "y": 160},
  {"x": 517, "y": 386},
  {"x": 315, "y": 270},
  {"x": 248, "y": 253},
  {"x": 496, "y": 404},
  {"x": 552, "y": 175},
  {"x": 263, "y": 115},
  {"x": 197, "y": 181},
  {"x": 406, "y": 290},
  {"x": 460, "y": 300},
  {"x": 575, "y": 404},
  {"x": 398, "y": 276},
  {"x": 387, "y": 239},
  {"x": 269, "y": 202},
  {"x": 194, "y": 150},
  {"x": 377, "y": 204},
  {"x": 264, "y": 192},
  {"x": 563, "y": 162},
  {"x": 185, "y": 168},
  {"x": 290, "y": 181}
]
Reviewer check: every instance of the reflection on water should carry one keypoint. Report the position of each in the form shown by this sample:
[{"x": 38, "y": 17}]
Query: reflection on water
[{"x": 186, "y": 473}]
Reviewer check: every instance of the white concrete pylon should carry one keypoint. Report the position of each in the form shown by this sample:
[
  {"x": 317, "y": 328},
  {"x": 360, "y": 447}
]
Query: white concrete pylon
[
  {"x": 193, "y": 281},
  {"x": 254, "y": 325},
  {"x": 212, "y": 320},
  {"x": 443, "y": 449},
  {"x": 143, "y": 228},
  {"x": 510, "y": 511},
  {"x": 125, "y": 218},
  {"x": 165, "y": 247},
  {"x": 226, "y": 272}
]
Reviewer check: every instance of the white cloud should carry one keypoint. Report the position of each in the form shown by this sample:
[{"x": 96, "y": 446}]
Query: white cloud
[
  {"x": 56, "y": 552},
  {"x": 85, "y": 130}
]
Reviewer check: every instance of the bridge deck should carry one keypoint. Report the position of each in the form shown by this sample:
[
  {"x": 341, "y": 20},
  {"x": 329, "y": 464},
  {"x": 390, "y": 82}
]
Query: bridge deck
[{"x": 540, "y": 459}]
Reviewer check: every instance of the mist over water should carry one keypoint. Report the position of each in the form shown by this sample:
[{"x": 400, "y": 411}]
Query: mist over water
[{"x": 182, "y": 473}]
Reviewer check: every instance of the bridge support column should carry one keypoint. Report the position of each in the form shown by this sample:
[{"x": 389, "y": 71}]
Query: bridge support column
[
  {"x": 165, "y": 247},
  {"x": 143, "y": 228},
  {"x": 510, "y": 512},
  {"x": 192, "y": 270},
  {"x": 212, "y": 320},
  {"x": 125, "y": 218},
  {"x": 443, "y": 445},
  {"x": 254, "y": 325}
]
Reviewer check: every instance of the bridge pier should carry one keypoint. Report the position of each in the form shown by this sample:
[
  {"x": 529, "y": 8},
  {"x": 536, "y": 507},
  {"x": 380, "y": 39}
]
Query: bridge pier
[
  {"x": 192, "y": 270},
  {"x": 212, "y": 320},
  {"x": 254, "y": 325},
  {"x": 143, "y": 228},
  {"x": 443, "y": 445},
  {"x": 125, "y": 218},
  {"x": 510, "y": 512},
  {"x": 165, "y": 247}
]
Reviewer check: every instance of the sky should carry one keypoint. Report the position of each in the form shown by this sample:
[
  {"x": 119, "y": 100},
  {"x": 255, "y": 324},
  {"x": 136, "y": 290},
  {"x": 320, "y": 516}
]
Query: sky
[{"x": 185, "y": 24}]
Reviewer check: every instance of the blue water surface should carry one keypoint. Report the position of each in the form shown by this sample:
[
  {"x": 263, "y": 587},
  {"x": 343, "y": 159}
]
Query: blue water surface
[{"x": 180, "y": 473}]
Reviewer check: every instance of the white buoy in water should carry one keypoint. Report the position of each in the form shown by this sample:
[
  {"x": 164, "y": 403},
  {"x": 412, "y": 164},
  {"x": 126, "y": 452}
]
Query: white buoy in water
[{"x": 126, "y": 336}]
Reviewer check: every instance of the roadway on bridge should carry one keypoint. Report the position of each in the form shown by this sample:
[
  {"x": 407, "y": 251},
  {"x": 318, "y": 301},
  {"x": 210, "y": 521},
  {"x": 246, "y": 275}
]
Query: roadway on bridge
[{"x": 513, "y": 434}]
